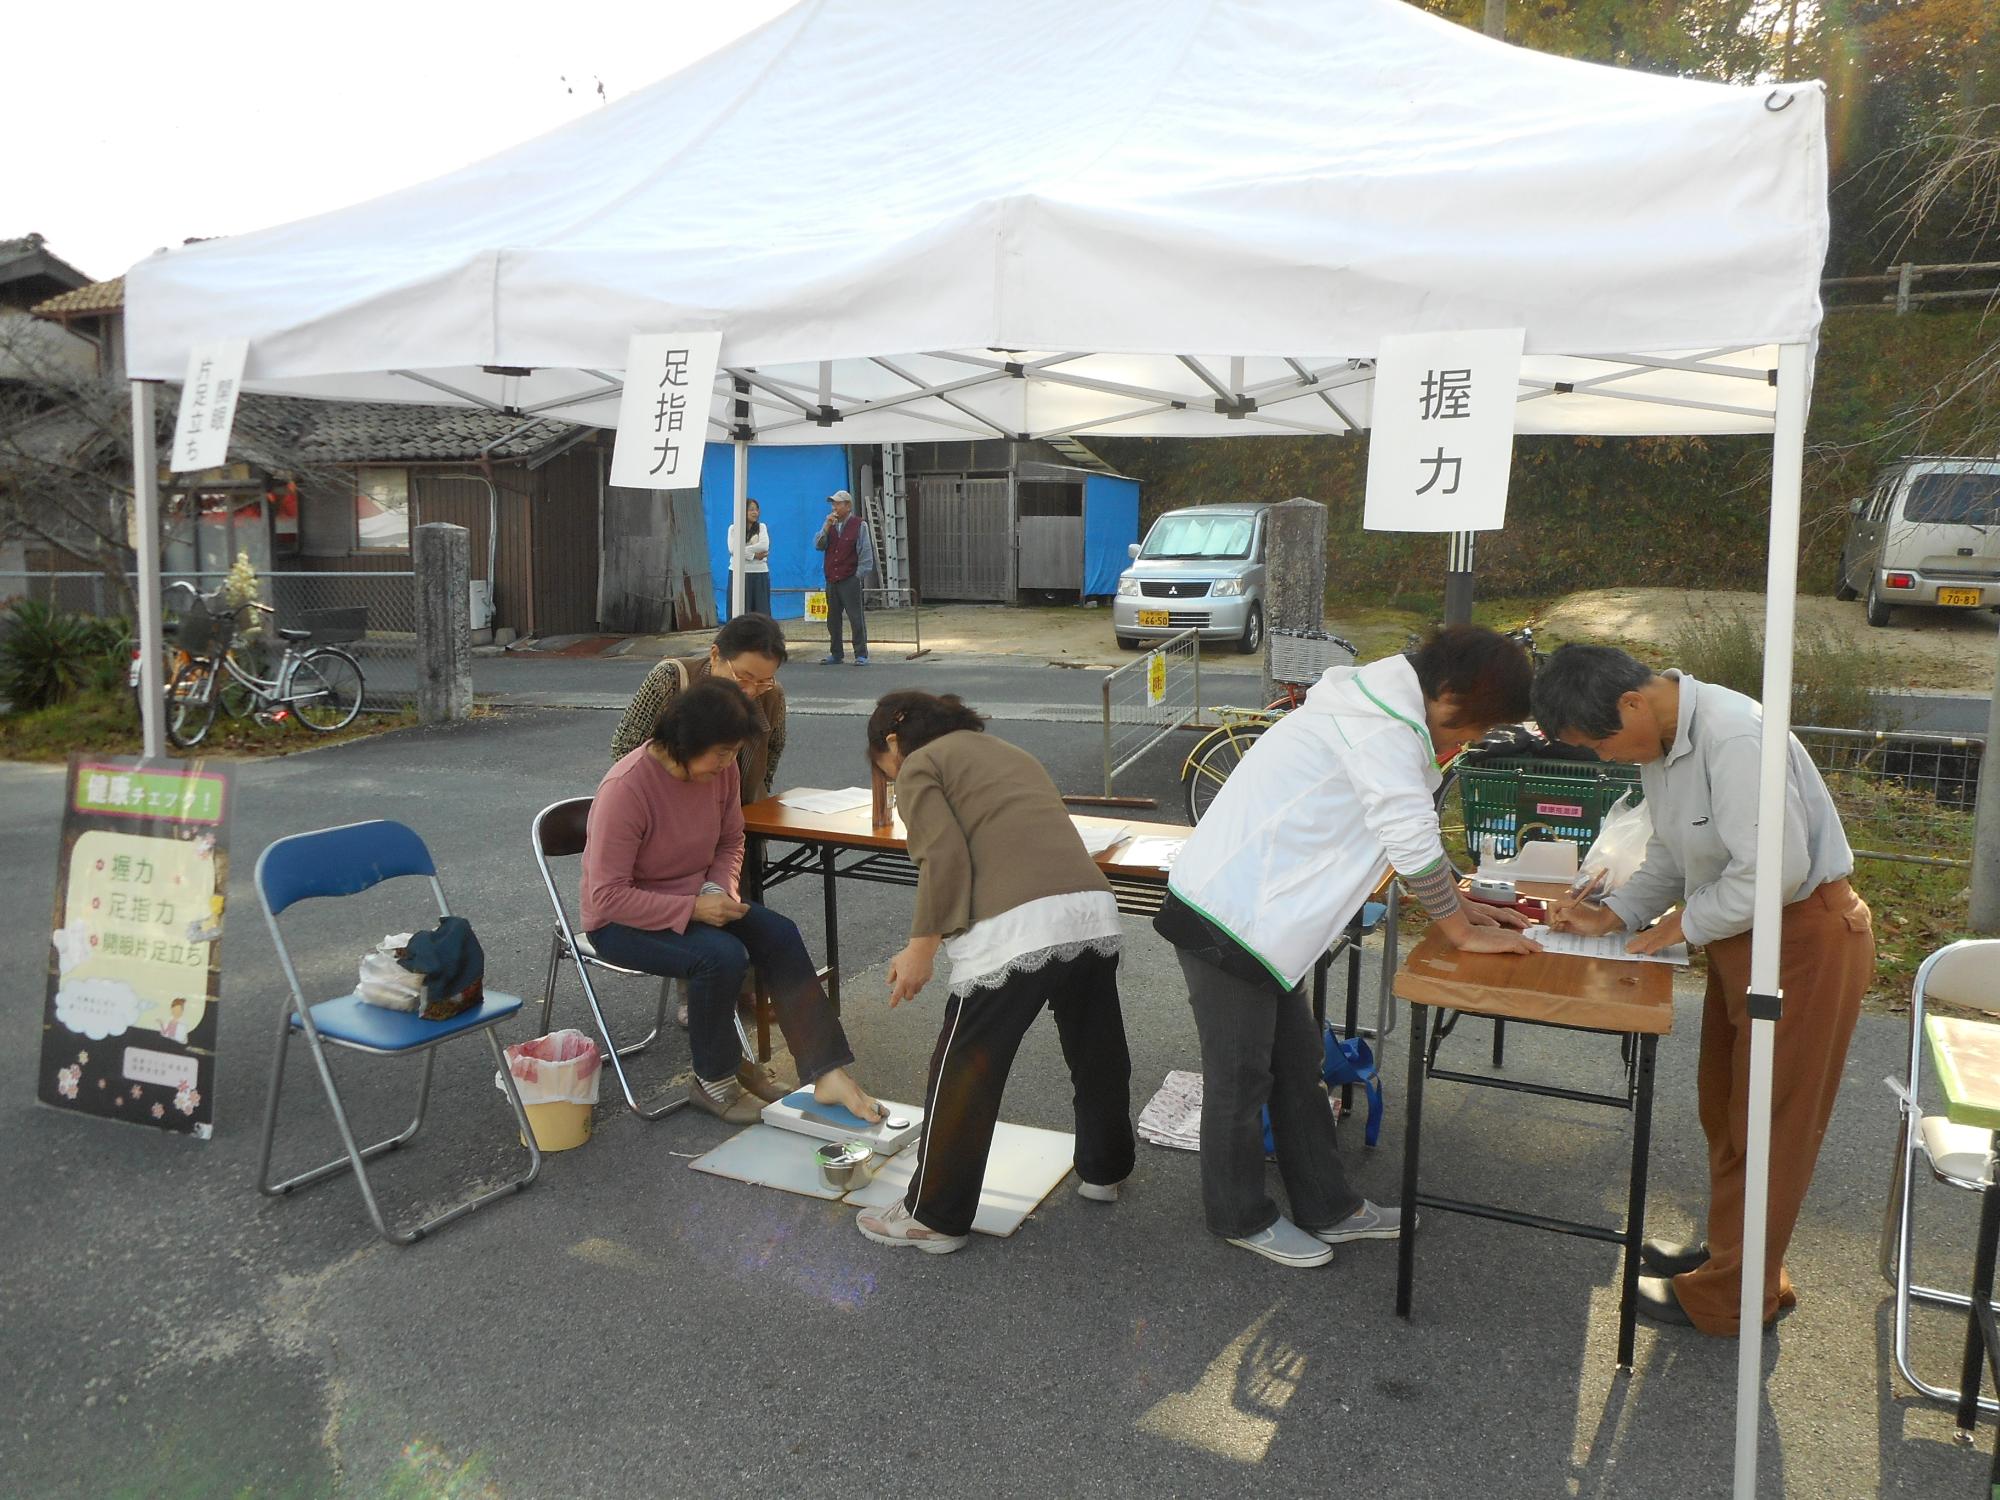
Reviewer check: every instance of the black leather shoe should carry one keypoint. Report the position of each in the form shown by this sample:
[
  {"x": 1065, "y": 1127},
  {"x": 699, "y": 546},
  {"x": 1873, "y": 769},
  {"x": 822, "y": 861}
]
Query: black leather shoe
[
  {"x": 1664, "y": 1258},
  {"x": 1658, "y": 1302}
]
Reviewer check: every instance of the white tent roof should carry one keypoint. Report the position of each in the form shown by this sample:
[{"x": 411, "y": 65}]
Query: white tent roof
[{"x": 1150, "y": 205}]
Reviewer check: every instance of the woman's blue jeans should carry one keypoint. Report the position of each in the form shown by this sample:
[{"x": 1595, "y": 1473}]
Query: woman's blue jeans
[{"x": 713, "y": 961}]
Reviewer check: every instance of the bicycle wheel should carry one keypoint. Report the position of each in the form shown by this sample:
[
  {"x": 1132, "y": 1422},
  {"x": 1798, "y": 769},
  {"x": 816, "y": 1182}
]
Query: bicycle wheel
[
  {"x": 1210, "y": 762},
  {"x": 325, "y": 690},
  {"x": 191, "y": 702},
  {"x": 238, "y": 698}
]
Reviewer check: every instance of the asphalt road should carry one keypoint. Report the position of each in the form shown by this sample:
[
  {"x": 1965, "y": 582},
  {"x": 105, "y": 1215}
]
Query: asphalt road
[{"x": 631, "y": 1328}]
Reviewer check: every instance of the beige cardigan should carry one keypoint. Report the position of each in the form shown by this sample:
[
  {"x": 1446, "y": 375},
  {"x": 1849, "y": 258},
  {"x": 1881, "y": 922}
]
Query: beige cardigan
[{"x": 987, "y": 832}]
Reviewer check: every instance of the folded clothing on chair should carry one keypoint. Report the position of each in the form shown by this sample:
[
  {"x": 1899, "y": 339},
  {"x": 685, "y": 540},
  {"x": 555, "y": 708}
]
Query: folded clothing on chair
[{"x": 452, "y": 966}]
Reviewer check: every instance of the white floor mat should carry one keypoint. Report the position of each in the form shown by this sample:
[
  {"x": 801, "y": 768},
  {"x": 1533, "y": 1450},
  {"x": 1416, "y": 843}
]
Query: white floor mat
[{"x": 1025, "y": 1166}]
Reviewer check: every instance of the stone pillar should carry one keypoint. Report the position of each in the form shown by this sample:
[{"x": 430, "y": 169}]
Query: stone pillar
[
  {"x": 1294, "y": 573},
  {"x": 441, "y": 557}
]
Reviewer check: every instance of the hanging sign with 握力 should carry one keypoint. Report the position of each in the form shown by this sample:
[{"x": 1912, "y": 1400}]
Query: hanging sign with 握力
[
  {"x": 663, "y": 410},
  {"x": 1441, "y": 440},
  {"x": 129, "y": 1024}
]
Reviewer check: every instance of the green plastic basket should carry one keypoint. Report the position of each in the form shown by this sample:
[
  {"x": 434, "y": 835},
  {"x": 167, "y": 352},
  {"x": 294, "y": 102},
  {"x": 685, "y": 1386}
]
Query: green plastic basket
[{"x": 1557, "y": 799}]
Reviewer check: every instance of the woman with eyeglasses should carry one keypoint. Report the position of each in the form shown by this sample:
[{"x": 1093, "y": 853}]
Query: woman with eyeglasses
[{"x": 748, "y": 652}]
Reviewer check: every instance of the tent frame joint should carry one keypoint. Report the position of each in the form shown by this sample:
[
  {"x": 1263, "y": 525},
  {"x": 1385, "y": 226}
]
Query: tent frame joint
[{"x": 1766, "y": 1007}]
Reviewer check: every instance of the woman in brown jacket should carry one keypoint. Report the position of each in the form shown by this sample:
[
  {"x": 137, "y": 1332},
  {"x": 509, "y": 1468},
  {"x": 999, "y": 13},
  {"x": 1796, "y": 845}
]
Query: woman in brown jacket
[{"x": 1005, "y": 887}]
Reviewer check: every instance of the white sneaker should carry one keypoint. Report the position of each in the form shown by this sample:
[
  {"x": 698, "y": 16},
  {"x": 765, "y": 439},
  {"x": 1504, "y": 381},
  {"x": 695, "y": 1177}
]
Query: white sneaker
[
  {"x": 1287, "y": 1244},
  {"x": 1099, "y": 1192},
  {"x": 896, "y": 1225},
  {"x": 1371, "y": 1221}
]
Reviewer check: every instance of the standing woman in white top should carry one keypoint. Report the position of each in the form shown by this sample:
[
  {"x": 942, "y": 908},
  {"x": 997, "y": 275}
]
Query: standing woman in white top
[
  {"x": 1005, "y": 887},
  {"x": 1331, "y": 798},
  {"x": 754, "y": 559}
]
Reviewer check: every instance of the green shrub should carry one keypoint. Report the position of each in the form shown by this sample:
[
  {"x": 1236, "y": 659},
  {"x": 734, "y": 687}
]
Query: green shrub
[
  {"x": 48, "y": 657},
  {"x": 1833, "y": 682}
]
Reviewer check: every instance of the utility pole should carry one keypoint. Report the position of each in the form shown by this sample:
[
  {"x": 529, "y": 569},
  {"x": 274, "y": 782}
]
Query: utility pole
[{"x": 1458, "y": 559}]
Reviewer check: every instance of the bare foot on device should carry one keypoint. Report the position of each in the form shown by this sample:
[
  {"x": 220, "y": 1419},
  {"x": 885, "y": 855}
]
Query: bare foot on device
[{"x": 837, "y": 1086}]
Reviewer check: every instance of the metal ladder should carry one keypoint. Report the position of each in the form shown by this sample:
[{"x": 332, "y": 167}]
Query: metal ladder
[{"x": 888, "y": 524}]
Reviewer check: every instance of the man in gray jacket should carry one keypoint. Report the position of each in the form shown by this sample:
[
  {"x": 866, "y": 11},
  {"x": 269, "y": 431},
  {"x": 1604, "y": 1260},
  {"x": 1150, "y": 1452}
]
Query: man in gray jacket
[{"x": 1697, "y": 747}]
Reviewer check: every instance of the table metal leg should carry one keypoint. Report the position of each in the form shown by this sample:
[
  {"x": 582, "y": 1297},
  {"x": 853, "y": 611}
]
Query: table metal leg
[
  {"x": 1320, "y": 966},
  {"x": 1353, "y": 1004},
  {"x": 1413, "y": 1125},
  {"x": 1975, "y": 1330},
  {"x": 1635, "y": 1206},
  {"x": 827, "y": 882},
  {"x": 1499, "y": 1044}
]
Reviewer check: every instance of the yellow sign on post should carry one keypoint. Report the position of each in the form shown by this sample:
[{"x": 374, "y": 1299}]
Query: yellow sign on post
[
  {"x": 816, "y": 605},
  {"x": 1156, "y": 680}
]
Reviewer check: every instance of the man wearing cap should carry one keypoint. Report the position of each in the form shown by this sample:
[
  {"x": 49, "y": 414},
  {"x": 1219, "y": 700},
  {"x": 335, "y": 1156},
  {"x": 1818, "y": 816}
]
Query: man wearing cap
[{"x": 850, "y": 554}]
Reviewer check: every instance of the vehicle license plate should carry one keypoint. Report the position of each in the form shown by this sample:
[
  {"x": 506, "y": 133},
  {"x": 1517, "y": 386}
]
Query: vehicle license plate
[
  {"x": 1965, "y": 597},
  {"x": 1152, "y": 617}
]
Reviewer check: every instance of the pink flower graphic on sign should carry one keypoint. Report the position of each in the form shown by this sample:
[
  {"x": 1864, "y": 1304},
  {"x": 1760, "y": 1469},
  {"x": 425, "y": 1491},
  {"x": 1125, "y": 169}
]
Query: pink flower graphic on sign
[
  {"x": 159, "y": 1111},
  {"x": 83, "y": 1057},
  {"x": 185, "y": 1099},
  {"x": 135, "y": 1091},
  {"x": 67, "y": 1080}
]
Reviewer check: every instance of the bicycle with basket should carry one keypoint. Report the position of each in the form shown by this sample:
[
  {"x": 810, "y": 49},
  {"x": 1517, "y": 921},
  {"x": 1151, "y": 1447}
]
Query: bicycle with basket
[
  {"x": 1298, "y": 659},
  {"x": 321, "y": 686}
]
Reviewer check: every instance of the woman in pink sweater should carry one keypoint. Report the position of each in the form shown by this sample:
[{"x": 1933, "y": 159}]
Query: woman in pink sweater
[{"x": 660, "y": 884}]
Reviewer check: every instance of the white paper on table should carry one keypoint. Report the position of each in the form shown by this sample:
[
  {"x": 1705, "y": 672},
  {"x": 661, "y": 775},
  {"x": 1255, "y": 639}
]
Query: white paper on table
[
  {"x": 811, "y": 799},
  {"x": 1096, "y": 837},
  {"x": 1604, "y": 945},
  {"x": 1158, "y": 852}
]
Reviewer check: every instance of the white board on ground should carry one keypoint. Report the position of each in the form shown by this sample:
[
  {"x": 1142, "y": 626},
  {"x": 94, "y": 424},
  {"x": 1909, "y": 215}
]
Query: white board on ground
[
  {"x": 1442, "y": 443},
  {"x": 1023, "y": 1169},
  {"x": 766, "y": 1156}
]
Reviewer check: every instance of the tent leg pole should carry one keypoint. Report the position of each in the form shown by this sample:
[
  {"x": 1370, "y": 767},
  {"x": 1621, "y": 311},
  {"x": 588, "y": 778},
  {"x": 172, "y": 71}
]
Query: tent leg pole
[
  {"x": 740, "y": 524},
  {"x": 146, "y": 536},
  {"x": 1780, "y": 606}
]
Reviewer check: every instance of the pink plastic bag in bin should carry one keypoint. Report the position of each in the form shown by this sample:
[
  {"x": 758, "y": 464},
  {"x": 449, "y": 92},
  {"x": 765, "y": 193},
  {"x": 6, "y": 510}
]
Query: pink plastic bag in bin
[{"x": 560, "y": 1068}]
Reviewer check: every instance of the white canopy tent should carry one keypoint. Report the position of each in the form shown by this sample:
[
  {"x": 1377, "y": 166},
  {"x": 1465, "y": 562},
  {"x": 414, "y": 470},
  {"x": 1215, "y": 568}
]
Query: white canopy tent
[{"x": 923, "y": 219}]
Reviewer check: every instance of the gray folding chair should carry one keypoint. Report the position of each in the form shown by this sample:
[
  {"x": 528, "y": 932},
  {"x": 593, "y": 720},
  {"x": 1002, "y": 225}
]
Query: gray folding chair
[
  {"x": 1956, "y": 1156},
  {"x": 561, "y": 831},
  {"x": 344, "y": 862}
]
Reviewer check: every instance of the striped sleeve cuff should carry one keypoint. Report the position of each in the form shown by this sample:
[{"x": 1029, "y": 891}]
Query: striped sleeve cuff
[{"x": 1436, "y": 887}]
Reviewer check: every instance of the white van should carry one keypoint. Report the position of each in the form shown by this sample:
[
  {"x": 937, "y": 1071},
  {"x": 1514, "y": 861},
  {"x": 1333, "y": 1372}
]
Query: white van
[{"x": 1929, "y": 534}]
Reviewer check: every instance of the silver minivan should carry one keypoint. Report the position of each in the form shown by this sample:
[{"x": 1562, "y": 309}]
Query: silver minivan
[
  {"x": 1202, "y": 567},
  {"x": 1929, "y": 534}
]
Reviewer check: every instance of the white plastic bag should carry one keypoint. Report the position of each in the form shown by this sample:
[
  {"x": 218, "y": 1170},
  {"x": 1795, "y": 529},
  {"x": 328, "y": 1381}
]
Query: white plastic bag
[
  {"x": 560, "y": 1068},
  {"x": 384, "y": 981},
  {"x": 1619, "y": 849}
]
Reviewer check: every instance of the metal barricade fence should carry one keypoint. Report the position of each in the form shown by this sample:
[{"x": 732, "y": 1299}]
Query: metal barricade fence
[
  {"x": 1146, "y": 700},
  {"x": 372, "y": 615},
  {"x": 1903, "y": 797}
]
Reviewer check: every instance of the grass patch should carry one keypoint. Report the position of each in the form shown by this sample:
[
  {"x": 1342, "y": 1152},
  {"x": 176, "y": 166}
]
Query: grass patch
[
  {"x": 1834, "y": 682},
  {"x": 1381, "y": 627},
  {"x": 106, "y": 723}
]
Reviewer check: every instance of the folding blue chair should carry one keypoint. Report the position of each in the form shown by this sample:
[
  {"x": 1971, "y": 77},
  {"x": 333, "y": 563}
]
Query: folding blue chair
[{"x": 344, "y": 862}]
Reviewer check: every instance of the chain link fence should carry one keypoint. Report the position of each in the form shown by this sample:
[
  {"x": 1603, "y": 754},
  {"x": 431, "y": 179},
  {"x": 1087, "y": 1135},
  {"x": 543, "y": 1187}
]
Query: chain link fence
[
  {"x": 1146, "y": 700},
  {"x": 371, "y": 615},
  {"x": 1903, "y": 797}
]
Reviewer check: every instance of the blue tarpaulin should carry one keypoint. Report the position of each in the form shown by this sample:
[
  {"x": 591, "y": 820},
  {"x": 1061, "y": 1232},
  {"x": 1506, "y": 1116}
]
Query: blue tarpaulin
[
  {"x": 790, "y": 486},
  {"x": 1110, "y": 526}
]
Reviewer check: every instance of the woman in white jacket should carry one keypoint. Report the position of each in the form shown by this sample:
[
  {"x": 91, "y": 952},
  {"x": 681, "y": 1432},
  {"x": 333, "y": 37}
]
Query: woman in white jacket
[
  {"x": 1332, "y": 797},
  {"x": 754, "y": 557}
]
